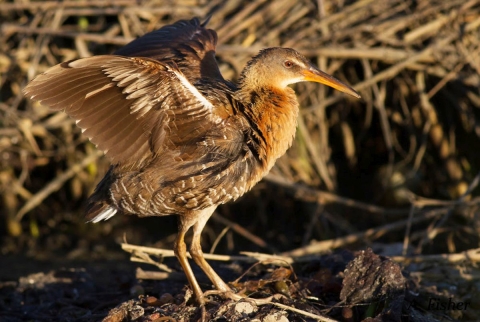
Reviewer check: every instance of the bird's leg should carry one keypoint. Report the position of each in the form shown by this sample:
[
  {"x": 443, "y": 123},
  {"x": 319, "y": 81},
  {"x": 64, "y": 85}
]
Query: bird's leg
[
  {"x": 197, "y": 253},
  {"x": 198, "y": 221},
  {"x": 180, "y": 250}
]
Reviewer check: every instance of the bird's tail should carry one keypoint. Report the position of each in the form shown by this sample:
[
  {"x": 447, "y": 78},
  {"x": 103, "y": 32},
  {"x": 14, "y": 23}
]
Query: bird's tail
[
  {"x": 99, "y": 205},
  {"x": 98, "y": 211}
]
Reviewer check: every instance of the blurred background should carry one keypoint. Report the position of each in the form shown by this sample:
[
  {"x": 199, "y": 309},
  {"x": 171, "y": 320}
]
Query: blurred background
[{"x": 396, "y": 170}]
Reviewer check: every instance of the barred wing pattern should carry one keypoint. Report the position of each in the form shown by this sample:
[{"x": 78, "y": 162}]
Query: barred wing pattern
[
  {"x": 126, "y": 106},
  {"x": 187, "y": 43}
]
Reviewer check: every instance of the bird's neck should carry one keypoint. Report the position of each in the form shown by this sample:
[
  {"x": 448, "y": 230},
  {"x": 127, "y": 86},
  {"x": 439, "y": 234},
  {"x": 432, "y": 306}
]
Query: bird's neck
[{"x": 274, "y": 113}]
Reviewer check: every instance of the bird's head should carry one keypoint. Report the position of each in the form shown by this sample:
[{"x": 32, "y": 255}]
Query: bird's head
[{"x": 280, "y": 67}]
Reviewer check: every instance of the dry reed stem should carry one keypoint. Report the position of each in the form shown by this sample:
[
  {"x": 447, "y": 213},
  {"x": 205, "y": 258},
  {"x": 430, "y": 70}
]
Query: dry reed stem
[
  {"x": 56, "y": 184},
  {"x": 248, "y": 257},
  {"x": 468, "y": 256}
]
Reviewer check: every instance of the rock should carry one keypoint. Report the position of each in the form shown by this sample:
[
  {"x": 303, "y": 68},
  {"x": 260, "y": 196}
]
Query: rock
[
  {"x": 279, "y": 316},
  {"x": 245, "y": 307}
]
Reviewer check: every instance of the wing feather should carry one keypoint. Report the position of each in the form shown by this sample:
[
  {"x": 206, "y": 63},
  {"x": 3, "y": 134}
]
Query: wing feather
[
  {"x": 187, "y": 43},
  {"x": 120, "y": 102}
]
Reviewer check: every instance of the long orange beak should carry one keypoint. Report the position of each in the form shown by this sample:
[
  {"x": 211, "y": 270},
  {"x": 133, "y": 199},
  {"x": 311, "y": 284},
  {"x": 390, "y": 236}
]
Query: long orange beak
[{"x": 316, "y": 75}]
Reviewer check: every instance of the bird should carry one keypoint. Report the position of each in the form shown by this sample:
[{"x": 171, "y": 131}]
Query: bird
[{"x": 181, "y": 139}]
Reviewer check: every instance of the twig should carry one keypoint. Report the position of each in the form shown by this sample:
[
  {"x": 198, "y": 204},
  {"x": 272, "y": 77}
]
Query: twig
[
  {"x": 302, "y": 312},
  {"x": 142, "y": 257},
  {"x": 327, "y": 245},
  {"x": 45, "y": 5},
  {"x": 217, "y": 240},
  {"x": 56, "y": 184},
  {"x": 242, "y": 231},
  {"x": 392, "y": 71},
  {"x": 318, "y": 161},
  {"x": 471, "y": 255},
  {"x": 155, "y": 275},
  {"x": 308, "y": 194},
  {"x": 101, "y": 39},
  {"x": 387, "y": 55},
  {"x": 248, "y": 258}
]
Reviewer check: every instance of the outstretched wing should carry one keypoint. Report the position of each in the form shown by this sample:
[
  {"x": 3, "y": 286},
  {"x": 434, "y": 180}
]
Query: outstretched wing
[
  {"x": 187, "y": 43},
  {"x": 131, "y": 108}
]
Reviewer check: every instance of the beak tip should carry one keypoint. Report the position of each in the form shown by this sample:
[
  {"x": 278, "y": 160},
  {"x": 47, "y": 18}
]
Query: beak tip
[
  {"x": 356, "y": 95},
  {"x": 319, "y": 76}
]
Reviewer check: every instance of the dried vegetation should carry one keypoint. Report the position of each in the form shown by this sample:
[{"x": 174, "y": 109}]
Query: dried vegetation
[{"x": 397, "y": 170}]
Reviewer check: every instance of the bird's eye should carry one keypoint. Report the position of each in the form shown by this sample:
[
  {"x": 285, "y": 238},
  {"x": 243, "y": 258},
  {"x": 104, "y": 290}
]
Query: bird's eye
[{"x": 288, "y": 64}]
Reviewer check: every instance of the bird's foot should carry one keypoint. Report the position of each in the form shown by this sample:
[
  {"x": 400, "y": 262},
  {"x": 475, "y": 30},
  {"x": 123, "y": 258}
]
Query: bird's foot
[
  {"x": 235, "y": 297},
  {"x": 224, "y": 294}
]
